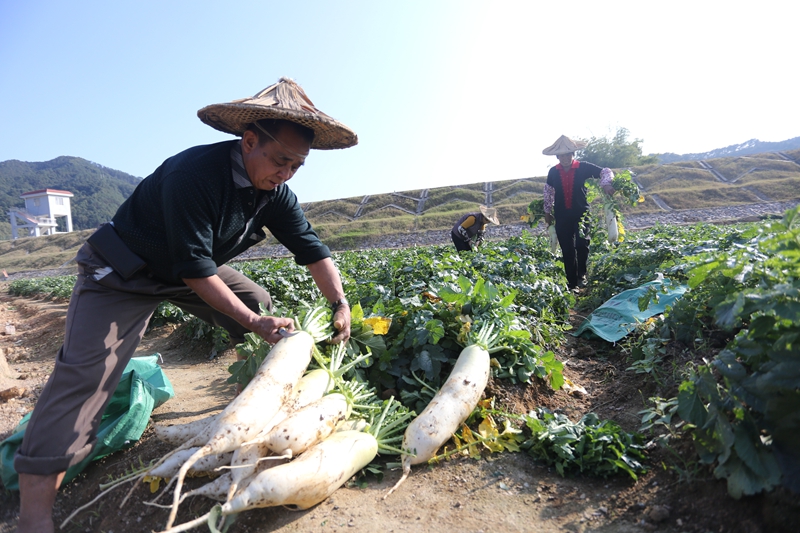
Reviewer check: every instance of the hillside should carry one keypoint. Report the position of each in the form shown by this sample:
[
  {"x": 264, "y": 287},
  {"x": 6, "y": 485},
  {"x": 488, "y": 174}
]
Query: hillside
[
  {"x": 98, "y": 190},
  {"x": 753, "y": 146},
  {"x": 704, "y": 184}
]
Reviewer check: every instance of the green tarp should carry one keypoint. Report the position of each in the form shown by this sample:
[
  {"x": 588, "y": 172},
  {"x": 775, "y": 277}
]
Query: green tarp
[
  {"x": 620, "y": 315},
  {"x": 142, "y": 388}
]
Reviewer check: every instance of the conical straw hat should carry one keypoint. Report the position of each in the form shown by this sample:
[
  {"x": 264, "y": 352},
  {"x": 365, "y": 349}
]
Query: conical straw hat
[
  {"x": 284, "y": 100},
  {"x": 564, "y": 145},
  {"x": 491, "y": 214}
]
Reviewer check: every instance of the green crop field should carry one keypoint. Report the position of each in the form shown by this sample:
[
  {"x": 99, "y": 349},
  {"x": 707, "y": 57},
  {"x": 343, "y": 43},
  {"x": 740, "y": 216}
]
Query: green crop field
[{"x": 415, "y": 309}]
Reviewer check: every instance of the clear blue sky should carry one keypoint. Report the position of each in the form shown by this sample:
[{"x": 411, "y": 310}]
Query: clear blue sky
[{"x": 439, "y": 92}]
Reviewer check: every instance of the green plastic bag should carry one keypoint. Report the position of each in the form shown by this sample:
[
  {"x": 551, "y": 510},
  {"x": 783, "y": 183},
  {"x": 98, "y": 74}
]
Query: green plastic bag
[
  {"x": 620, "y": 315},
  {"x": 142, "y": 388}
]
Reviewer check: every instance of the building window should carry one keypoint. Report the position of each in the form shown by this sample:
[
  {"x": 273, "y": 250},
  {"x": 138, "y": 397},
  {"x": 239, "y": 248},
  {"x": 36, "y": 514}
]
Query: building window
[
  {"x": 59, "y": 201},
  {"x": 37, "y": 202}
]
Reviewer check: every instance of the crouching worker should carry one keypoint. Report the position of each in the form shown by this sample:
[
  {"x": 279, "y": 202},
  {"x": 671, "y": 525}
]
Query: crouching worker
[
  {"x": 471, "y": 228},
  {"x": 169, "y": 242}
]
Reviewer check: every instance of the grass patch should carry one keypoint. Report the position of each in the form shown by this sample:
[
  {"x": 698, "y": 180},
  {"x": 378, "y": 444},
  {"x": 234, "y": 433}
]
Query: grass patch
[
  {"x": 737, "y": 167},
  {"x": 390, "y": 203},
  {"x": 793, "y": 154},
  {"x": 669, "y": 177},
  {"x": 346, "y": 206},
  {"x": 705, "y": 197},
  {"x": 773, "y": 186},
  {"x": 40, "y": 253},
  {"x": 510, "y": 192}
]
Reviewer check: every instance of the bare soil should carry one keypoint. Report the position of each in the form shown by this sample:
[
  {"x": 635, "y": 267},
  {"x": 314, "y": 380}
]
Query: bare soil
[{"x": 506, "y": 492}]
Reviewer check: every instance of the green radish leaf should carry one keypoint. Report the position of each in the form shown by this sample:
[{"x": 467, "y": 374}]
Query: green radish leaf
[{"x": 690, "y": 405}]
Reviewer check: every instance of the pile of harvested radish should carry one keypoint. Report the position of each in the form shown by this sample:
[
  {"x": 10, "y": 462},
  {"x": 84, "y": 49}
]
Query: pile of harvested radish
[{"x": 293, "y": 436}]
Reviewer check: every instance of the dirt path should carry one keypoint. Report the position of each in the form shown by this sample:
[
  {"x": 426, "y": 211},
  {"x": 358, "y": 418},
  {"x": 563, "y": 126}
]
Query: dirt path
[{"x": 506, "y": 492}]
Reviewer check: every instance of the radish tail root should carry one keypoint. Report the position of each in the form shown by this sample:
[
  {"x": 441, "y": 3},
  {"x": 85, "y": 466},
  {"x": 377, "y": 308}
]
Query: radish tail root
[
  {"x": 82, "y": 507},
  {"x": 176, "y": 500},
  {"x": 186, "y": 526},
  {"x": 406, "y": 472}
]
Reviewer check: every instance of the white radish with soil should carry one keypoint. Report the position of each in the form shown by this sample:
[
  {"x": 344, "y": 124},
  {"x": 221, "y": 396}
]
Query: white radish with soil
[
  {"x": 551, "y": 233},
  {"x": 178, "y": 434},
  {"x": 450, "y": 407},
  {"x": 218, "y": 488},
  {"x": 303, "y": 482},
  {"x": 310, "y": 478},
  {"x": 207, "y": 463},
  {"x": 307, "y": 426},
  {"x": 311, "y": 387},
  {"x": 257, "y": 404},
  {"x": 317, "y": 473},
  {"x": 610, "y": 219},
  {"x": 245, "y": 458}
]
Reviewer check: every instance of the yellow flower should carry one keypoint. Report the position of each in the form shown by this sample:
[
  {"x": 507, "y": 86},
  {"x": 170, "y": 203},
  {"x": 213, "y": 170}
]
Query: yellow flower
[{"x": 380, "y": 324}]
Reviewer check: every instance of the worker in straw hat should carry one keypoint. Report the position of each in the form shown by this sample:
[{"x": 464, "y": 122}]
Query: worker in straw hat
[
  {"x": 565, "y": 204},
  {"x": 169, "y": 241},
  {"x": 471, "y": 228}
]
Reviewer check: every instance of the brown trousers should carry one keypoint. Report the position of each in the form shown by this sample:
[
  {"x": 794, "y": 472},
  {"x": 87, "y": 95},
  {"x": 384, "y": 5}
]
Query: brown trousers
[{"x": 105, "y": 323}]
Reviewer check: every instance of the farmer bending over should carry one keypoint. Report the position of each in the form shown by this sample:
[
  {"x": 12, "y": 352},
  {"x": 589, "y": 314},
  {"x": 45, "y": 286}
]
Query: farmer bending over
[
  {"x": 169, "y": 242},
  {"x": 472, "y": 227},
  {"x": 565, "y": 204}
]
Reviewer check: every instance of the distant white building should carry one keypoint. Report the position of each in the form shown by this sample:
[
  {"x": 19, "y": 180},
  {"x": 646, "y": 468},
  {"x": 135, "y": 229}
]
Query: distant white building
[{"x": 41, "y": 210}]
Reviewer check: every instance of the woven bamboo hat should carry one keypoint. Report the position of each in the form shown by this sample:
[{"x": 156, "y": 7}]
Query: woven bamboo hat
[
  {"x": 284, "y": 100},
  {"x": 491, "y": 214},
  {"x": 564, "y": 145}
]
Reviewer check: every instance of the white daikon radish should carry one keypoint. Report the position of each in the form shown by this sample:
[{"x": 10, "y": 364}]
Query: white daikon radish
[
  {"x": 177, "y": 434},
  {"x": 262, "y": 398},
  {"x": 311, "y": 387},
  {"x": 307, "y": 426},
  {"x": 316, "y": 474},
  {"x": 207, "y": 463},
  {"x": 551, "y": 232},
  {"x": 451, "y": 405},
  {"x": 610, "y": 218}
]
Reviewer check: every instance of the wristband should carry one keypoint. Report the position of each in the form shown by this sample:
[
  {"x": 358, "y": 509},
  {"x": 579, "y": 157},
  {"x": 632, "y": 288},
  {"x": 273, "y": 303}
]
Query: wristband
[{"x": 338, "y": 303}]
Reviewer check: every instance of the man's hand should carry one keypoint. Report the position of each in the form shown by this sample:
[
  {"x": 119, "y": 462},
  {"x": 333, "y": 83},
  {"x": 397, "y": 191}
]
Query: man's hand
[
  {"x": 267, "y": 327},
  {"x": 326, "y": 276},
  {"x": 479, "y": 239},
  {"x": 215, "y": 293},
  {"x": 341, "y": 322}
]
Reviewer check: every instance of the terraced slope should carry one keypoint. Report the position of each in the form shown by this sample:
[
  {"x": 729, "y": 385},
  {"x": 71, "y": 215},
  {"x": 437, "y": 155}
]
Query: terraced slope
[{"x": 763, "y": 178}]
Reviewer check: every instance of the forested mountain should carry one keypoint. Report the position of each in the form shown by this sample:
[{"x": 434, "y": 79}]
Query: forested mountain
[
  {"x": 98, "y": 190},
  {"x": 753, "y": 146}
]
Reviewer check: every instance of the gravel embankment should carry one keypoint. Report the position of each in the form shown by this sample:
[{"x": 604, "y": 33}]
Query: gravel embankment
[{"x": 751, "y": 212}]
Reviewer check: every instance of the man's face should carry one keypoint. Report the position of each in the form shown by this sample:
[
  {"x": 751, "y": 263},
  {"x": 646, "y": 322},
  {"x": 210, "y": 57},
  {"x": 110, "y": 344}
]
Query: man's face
[
  {"x": 565, "y": 160},
  {"x": 274, "y": 162}
]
